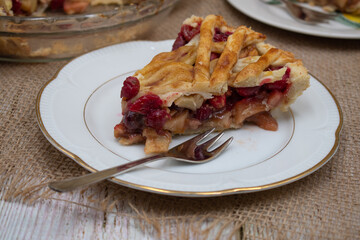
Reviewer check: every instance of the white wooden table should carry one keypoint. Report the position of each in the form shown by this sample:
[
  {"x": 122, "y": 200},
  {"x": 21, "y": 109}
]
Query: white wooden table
[{"x": 58, "y": 219}]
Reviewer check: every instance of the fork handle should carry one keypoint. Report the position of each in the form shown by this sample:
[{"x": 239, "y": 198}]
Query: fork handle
[{"x": 72, "y": 183}]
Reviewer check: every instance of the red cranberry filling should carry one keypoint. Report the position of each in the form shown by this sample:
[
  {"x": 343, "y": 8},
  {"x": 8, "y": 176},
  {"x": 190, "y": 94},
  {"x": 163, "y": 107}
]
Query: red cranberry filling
[
  {"x": 220, "y": 36},
  {"x": 185, "y": 35},
  {"x": 146, "y": 104},
  {"x": 204, "y": 112},
  {"x": 57, "y": 4},
  {"x": 145, "y": 111},
  {"x": 218, "y": 102},
  {"x": 281, "y": 85},
  {"x": 286, "y": 76},
  {"x": 133, "y": 121},
  {"x": 130, "y": 88},
  {"x": 16, "y": 7},
  {"x": 248, "y": 91},
  {"x": 187, "y": 32},
  {"x": 214, "y": 56},
  {"x": 278, "y": 85},
  {"x": 179, "y": 42},
  {"x": 157, "y": 118}
]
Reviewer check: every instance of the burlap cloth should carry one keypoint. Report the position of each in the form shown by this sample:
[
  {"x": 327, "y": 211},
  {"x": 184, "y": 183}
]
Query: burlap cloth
[{"x": 324, "y": 205}]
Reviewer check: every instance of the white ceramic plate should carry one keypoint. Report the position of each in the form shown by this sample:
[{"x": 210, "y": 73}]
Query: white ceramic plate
[
  {"x": 79, "y": 107},
  {"x": 277, "y": 16}
]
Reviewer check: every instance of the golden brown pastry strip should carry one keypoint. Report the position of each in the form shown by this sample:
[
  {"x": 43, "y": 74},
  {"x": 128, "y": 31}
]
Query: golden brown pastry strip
[
  {"x": 253, "y": 70},
  {"x": 202, "y": 63},
  {"x": 227, "y": 61}
]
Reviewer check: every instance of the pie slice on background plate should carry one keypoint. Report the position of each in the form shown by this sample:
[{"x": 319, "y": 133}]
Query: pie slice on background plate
[
  {"x": 344, "y": 6},
  {"x": 216, "y": 76}
]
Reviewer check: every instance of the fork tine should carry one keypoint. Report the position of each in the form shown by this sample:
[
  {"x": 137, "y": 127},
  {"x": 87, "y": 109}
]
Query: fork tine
[
  {"x": 318, "y": 15},
  {"x": 206, "y": 145},
  {"x": 315, "y": 19},
  {"x": 221, "y": 148},
  {"x": 322, "y": 15},
  {"x": 200, "y": 137}
]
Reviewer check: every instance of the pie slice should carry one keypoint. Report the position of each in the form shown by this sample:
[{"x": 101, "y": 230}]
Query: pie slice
[
  {"x": 345, "y": 6},
  {"x": 216, "y": 76}
]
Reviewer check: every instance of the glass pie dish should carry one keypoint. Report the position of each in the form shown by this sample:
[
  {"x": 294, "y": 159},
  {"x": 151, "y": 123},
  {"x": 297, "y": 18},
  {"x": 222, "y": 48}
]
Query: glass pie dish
[{"x": 58, "y": 36}]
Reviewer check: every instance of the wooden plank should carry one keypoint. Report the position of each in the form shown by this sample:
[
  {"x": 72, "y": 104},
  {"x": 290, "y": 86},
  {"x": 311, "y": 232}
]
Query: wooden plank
[{"x": 55, "y": 219}]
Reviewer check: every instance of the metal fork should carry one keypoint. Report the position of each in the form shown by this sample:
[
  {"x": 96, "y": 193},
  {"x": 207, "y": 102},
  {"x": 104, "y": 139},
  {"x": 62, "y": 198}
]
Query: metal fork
[
  {"x": 190, "y": 151},
  {"x": 305, "y": 14}
]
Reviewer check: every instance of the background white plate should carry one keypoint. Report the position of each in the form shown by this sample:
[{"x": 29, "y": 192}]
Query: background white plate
[
  {"x": 79, "y": 107},
  {"x": 277, "y": 16}
]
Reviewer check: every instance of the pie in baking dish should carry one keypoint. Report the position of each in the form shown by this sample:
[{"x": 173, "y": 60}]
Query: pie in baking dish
[
  {"x": 346, "y": 6},
  {"x": 38, "y": 7},
  {"x": 216, "y": 76}
]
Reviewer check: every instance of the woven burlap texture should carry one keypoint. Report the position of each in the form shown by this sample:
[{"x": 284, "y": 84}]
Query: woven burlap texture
[{"x": 324, "y": 205}]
